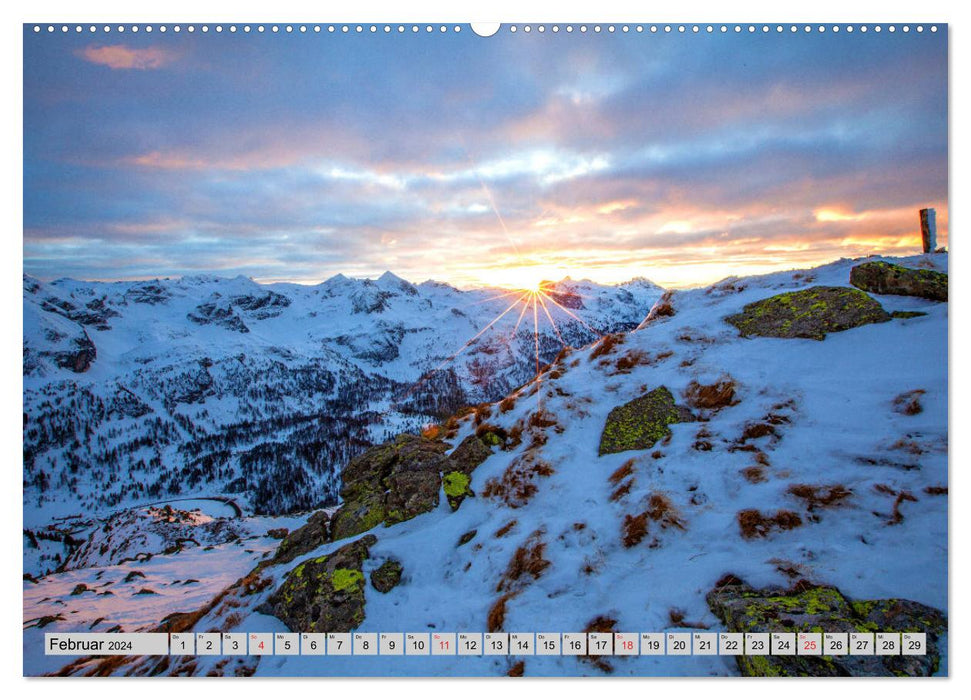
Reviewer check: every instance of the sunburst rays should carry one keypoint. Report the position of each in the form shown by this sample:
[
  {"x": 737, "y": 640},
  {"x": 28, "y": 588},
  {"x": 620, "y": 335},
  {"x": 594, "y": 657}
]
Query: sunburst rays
[{"x": 540, "y": 303}]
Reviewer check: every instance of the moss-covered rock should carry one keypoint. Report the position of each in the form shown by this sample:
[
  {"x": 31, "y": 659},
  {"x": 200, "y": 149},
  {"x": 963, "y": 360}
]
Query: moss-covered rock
[
  {"x": 640, "y": 423},
  {"x": 809, "y": 313},
  {"x": 411, "y": 493},
  {"x": 818, "y": 608},
  {"x": 400, "y": 479},
  {"x": 359, "y": 515},
  {"x": 880, "y": 277},
  {"x": 325, "y": 594},
  {"x": 303, "y": 539},
  {"x": 387, "y": 576},
  {"x": 470, "y": 453}
]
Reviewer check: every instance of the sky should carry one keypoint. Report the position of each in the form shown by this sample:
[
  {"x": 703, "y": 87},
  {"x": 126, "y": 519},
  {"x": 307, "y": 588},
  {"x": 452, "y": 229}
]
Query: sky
[{"x": 682, "y": 158}]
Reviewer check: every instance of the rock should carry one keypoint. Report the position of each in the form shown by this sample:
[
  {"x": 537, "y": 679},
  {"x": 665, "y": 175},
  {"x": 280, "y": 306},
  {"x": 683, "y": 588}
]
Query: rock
[
  {"x": 151, "y": 293},
  {"x": 387, "y": 576},
  {"x": 218, "y": 313},
  {"x": 391, "y": 483},
  {"x": 640, "y": 423},
  {"x": 411, "y": 493},
  {"x": 303, "y": 539},
  {"x": 262, "y": 306},
  {"x": 809, "y": 313},
  {"x": 467, "y": 537},
  {"x": 325, "y": 594},
  {"x": 80, "y": 358},
  {"x": 470, "y": 453},
  {"x": 358, "y": 515},
  {"x": 818, "y": 608},
  {"x": 79, "y": 589},
  {"x": 880, "y": 277},
  {"x": 278, "y": 533}
]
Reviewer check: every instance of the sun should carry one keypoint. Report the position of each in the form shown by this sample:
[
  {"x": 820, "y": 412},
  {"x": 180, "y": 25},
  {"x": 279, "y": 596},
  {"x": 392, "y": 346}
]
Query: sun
[{"x": 529, "y": 278}]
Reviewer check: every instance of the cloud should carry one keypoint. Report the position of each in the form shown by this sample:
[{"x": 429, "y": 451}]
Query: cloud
[
  {"x": 121, "y": 57},
  {"x": 603, "y": 157}
]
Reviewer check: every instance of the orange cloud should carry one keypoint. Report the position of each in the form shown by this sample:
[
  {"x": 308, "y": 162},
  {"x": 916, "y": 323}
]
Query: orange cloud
[{"x": 121, "y": 57}]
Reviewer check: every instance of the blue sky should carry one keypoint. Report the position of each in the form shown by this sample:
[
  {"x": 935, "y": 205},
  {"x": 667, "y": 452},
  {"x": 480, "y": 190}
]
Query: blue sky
[{"x": 683, "y": 158}]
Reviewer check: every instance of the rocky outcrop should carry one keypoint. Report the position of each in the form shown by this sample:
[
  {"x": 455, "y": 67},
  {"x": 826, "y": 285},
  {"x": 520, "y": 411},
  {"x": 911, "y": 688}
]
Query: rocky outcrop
[
  {"x": 304, "y": 539},
  {"x": 262, "y": 306},
  {"x": 817, "y": 608},
  {"x": 387, "y": 576},
  {"x": 403, "y": 478},
  {"x": 809, "y": 313},
  {"x": 218, "y": 314},
  {"x": 640, "y": 423},
  {"x": 470, "y": 453},
  {"x": 880, "y": 277},
  {"x": 151, "y": 293},
  {"x": 325, "y": 594},
  {"x": 79, "y": 359}
]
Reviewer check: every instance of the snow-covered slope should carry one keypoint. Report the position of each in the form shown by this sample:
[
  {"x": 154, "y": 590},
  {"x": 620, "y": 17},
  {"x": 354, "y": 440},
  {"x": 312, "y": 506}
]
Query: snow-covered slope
[
  {"x": 140, "y": 391},
  {"x": 827, "y": 432}
]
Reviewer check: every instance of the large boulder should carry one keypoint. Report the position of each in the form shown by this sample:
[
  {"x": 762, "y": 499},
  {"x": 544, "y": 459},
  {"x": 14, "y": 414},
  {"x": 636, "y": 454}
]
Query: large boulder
[
  {"x": 411, "y": 493},
  {"x": 470, "y": 453},
  {"x": 400, "y": 479},
  {"x": 359, "y": 515},
  {"x": 880, "y": 277},
  {"x": 817, "y": 608},
  {"x": 303, "y": 539},
  {"x": 808, "y": 313},
  {"x": 325, "y": 594},
  {"x": 640, "y": 423}
]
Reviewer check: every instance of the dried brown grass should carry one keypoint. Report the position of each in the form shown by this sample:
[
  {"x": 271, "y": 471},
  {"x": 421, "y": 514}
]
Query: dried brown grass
[
  {"x": 754, "y": 431},
  {"x": 622, "y": 472},
  {"x": 634, "y": 529},
  {"x": 496, "y": 617},
  {"x": 607, "y": 345},
  {"x": 908, "y": 403},
  {"x": 527, "y": 560},
  {"x": 659, "y": 510},
  {"x": 820, "y": 496},
  {"x": 621, "y": 491},
  {"x": 517, "y": 669},
  {"x": 517, "y": 485},
  {"x": 504, "y": 530},
  {"x": 711, "y": 396},
  {"x": 896, "y": 517},
  {"x": 431, "y": 432},
  {"x": 754, "y": 475},
  {"x": 754, "y": 524}
]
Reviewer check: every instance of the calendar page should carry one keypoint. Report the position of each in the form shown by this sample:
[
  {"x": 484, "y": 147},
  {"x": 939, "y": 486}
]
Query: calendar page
[{"x": 450, "y": 350}]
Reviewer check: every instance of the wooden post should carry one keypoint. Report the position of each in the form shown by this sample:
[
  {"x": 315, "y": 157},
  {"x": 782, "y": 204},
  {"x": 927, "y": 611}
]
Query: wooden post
[{"x": 928, "y": 229}]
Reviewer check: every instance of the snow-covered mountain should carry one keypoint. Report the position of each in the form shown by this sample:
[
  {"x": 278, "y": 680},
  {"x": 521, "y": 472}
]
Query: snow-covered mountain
[
  {"x": 764, "y": 453},
  {"x": 140, "y": 391}
]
